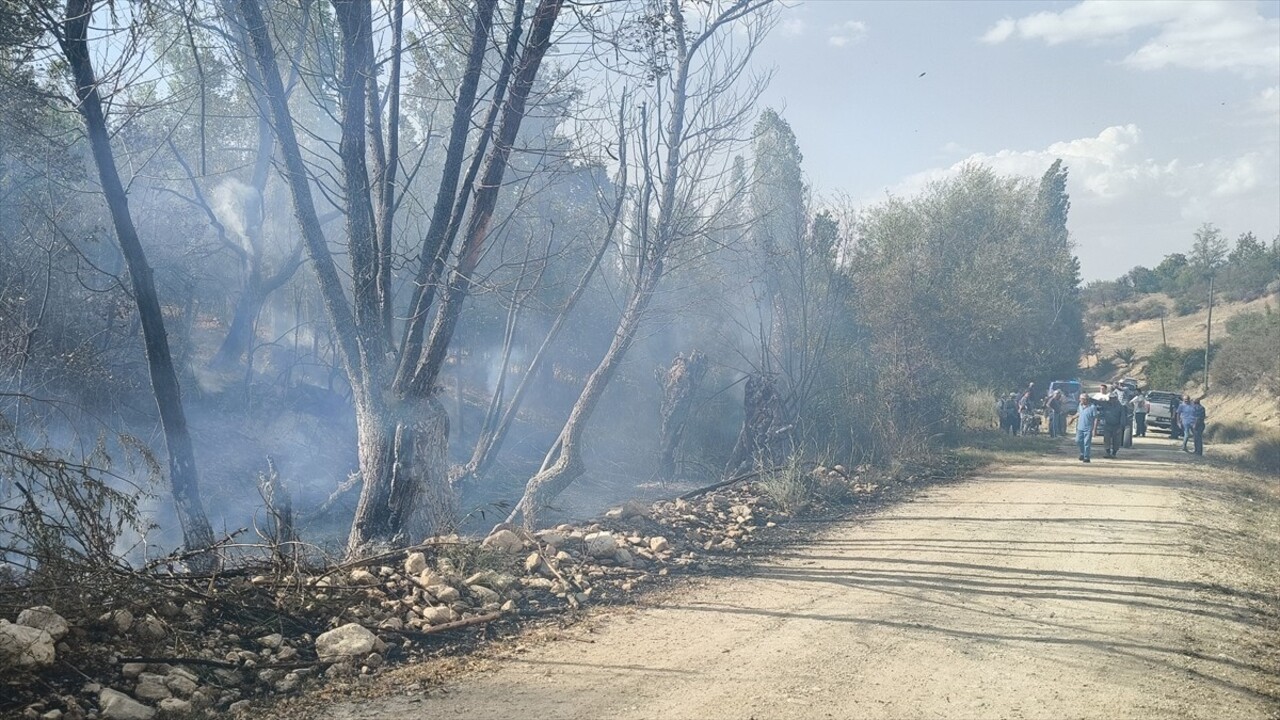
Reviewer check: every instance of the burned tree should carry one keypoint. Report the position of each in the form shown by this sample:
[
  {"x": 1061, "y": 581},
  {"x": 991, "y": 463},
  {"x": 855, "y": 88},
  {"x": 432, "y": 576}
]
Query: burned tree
[
  {"x": 681, "y": 133},
  {"x": 679, "y": 385},
  {"x": 402, "y": 427},
  {"x": 184, "y": 477}
]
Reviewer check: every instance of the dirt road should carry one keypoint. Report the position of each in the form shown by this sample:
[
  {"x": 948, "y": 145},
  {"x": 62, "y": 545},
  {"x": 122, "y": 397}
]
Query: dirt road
[{"x": 1045, "y": 589}]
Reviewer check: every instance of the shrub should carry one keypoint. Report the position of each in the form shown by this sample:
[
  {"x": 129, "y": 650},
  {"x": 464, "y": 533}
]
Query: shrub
[
  {"x": 1229, "y": 432},
  {"x": 1264, "y": 453},
  {"x": 1248, "y": 358},
  {"x": 1185, "y": 306},
  {"x": 1125, "y": 355}
]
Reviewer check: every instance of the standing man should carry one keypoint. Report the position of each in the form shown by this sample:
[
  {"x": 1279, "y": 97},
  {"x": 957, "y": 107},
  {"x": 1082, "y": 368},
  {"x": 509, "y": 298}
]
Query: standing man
[
  {"x": 1198, "y": 426},
  {"x": 1054, "y": 405},
  {"x": 1140, "y": 409},
  {"x": 1186, "y": 415},
  {"x": 1113, "y": 416},
  {"x": 1086, "y": 421}
]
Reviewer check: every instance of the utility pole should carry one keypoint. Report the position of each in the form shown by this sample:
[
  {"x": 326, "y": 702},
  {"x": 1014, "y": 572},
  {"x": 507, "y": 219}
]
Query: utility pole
[
  {"x": 1208, "y": 337},
  {"x": 1164, "y": 339}
]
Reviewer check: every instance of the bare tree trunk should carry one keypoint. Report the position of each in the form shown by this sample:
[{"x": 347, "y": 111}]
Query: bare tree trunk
[
  {"x": 184, "y": 479},
  {"x": 678, "y": 388},
  {"x": 765, "y": 438},
  {"x": 564, "y": 463}
]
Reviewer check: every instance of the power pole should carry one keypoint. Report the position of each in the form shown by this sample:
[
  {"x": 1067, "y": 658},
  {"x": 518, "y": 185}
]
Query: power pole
[
  {"x": 1208, "y": 337},
  {"x": 1164, "y": 339}
]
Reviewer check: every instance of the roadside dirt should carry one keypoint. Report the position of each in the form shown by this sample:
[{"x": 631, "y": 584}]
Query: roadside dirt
[{"x": 1041, "y": 589}]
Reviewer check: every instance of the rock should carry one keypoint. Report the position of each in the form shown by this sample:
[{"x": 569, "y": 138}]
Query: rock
[
  {"x": 483, "y": 594},
  {"x": 533, "y": 564},
  {"x": 131, "y": 671},
  {"x": 44, "y": 618},
  {"x": 240, "y": 706},
  {"x": 23, "y": 647},
  {"x": 629, "y": 509},
  {"x": 538, "y": 583},
  {"x": 115, "y": 705},
  {"x": 601, "y": 544},
  {"x": 150, "y": 629},
  {"x": 151, "y": 687},
  {"x": 174, "y": 706},
  {"x": 415, "y": 564},
  {"x": 181, "y": 685},
  {"x": 271, "y": 642},
  {"x": 438, "y": 615},
  {"x": 659, "y": 544},
  {"x": 428, "y": 579},
  {"x": 554, "y": 538},
  {"x": 289, "y": 683},
  {"x": 509, "y": 606},
  {"x": 350, "y": 640},
  {"x": 374, "y": 661},
  {"x": 504, "y": 541},
  {"x": 391, "y": 623},
  {"x": 118, "y": 621},
  {"x": 363, "y": 577},
  {"x": 54, "y": 714},
  {"x": 445, "y": 593},
  {"x": 623, "y": 557}
]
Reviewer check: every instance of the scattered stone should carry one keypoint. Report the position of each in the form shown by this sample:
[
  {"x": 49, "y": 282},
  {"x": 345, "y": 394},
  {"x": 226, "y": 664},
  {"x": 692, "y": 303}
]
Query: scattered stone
[
  {"x": 181, "y": 685},
  {"x": 118, "y": 621},
  {"x": 151, "y": 687},
  {"x": 350, "y": 640},
  {"x": 439, "y": 615},
  {"x": 150, "y": 629},
  {"x": 44, "y": 618},
  {"x": 445, "y": 593},
  {"x": 483, "y": 594},
  {"x": 131, "y": 671},
  {"x": 175, "y": 706},
  {"x": 659, "y": 544},
  {"x": 554, "y": 538},
  {"x": 533, "y": 564},
  {"x": 363, "y": 577},
  {"x": 415, "y": 564},
  {"x": 240, "y": 706},
  {"x": 25, "y": 648},
  {"x": 623, "y": 557},
  {"x": 115, "y": 705},
  {"x": 601, "y": 544},
  {"x": 504, "y": 541}
]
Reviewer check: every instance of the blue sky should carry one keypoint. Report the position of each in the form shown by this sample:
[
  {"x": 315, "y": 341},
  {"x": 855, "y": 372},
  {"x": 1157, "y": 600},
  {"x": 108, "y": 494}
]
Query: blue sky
[{"x": 1167, "y": 113}]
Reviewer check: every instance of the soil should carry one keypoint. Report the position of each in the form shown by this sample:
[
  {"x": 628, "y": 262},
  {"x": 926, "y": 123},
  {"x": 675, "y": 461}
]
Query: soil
[{"x": 1043, "y": 588}]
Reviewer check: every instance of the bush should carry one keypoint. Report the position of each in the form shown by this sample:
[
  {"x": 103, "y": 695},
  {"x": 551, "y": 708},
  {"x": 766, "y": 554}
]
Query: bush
[
  {"x": 1125, "y": 355},
  {"x": 1185, "y": 306},
  {"x": 1248, "y": 358},
  {"x": 1264, "y": 453},
  {"x": 1229, "y": 432}
]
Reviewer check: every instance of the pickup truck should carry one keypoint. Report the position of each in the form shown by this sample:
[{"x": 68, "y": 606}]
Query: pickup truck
[{"x": 1163, "y": 405}]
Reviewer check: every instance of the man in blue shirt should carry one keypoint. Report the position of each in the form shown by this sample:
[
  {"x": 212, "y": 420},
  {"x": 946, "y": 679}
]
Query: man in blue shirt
[
  {"x": 1186, "y": 420},
  {"x": 1086, "y": 421}
]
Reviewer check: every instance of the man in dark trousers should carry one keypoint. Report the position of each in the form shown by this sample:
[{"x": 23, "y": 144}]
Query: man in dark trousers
[
  {"x": 1197, "y": 428},
  {"x": 1113, "y": 418}
]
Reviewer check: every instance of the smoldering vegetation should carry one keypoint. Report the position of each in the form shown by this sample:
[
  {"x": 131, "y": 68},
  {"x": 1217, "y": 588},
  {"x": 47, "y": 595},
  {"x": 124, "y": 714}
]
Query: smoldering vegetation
[{"x": 425, "y": 268}]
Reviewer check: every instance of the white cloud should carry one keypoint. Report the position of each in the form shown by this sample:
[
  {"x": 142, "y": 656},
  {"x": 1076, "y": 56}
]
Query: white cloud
[
  {"x": 847, "y": 33},
  {"x": 794, "y": 27},
  {"x": 1197, "y": 34},
  {"x": 1128, "y": 208}
]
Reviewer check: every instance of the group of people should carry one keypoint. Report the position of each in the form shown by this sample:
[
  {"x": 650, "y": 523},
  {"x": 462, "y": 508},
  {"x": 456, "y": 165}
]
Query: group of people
[
  {"x": 1115, "y": 410},
  {"x": 1111, "y": 411}
]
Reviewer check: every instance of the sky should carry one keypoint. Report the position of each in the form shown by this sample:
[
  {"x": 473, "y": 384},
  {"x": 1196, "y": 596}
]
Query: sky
[{"x": 1165, "y": 112}]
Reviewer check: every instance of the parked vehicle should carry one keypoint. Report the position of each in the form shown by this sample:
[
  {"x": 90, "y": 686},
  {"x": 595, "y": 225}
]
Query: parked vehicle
[
  {"x": 1070, "y": 392},
  {"x": 1163, "y": 406}
]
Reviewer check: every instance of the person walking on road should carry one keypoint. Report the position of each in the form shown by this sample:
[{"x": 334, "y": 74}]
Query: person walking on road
[
  {"x": 1197, "y": 428},
  {"x": 1086, "y": 423},
  {"x": 1186, "y": 416},
  {"x": 1140, "y": 409},
  {"x": 1113, "y": 422}
]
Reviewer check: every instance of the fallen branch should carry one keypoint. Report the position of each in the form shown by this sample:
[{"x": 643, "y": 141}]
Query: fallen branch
[{"x": 445, "y": 627}]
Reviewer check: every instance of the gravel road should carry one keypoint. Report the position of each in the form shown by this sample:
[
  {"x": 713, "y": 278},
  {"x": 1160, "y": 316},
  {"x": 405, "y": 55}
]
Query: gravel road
[{"x": 1044, "y": 589}]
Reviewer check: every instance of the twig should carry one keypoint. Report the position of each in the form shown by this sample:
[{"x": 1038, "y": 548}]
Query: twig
[{"x": 455, "y": 625}]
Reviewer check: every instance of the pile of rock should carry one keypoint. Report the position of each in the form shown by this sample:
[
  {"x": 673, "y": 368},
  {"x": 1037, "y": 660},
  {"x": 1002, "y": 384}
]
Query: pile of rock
[{"x": 350, "y": 621}]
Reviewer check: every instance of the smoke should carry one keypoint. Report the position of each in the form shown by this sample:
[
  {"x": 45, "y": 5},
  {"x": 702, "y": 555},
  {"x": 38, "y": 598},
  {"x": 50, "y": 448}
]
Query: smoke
[{"x": 236, "y": 206}]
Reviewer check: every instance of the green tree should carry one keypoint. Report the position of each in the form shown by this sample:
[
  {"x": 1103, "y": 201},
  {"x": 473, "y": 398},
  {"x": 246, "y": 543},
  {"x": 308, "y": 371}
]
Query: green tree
[{"x": 1209, "y": 250}]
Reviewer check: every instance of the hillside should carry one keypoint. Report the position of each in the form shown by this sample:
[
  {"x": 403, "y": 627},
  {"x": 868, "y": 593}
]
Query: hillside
[{"x": 1185, "y": 332}]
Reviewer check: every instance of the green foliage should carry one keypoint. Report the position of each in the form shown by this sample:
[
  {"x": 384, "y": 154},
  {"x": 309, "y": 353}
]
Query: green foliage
[
  {"x": 1249, "y": 357},
  {"x": 1125, "y": 355},
  {"x": 1164, "y": 369}
]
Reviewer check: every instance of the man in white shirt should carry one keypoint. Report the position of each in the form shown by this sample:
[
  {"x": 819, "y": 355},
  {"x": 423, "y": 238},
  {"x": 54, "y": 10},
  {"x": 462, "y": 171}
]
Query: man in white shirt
[{"x": 1140, "y": 409}]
